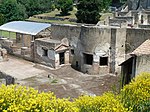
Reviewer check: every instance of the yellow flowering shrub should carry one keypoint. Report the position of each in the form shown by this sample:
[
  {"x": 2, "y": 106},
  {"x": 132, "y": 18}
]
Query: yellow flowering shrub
[
  {"x": 15, "y": 98},
  {"x": 105, "y": 103},
  {"x": 136, "y": 95},
  {"x": 133, "y": 97}
]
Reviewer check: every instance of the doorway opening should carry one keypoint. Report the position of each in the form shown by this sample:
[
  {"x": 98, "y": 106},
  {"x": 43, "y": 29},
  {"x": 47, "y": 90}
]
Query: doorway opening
[
  {"x": 88, "y": 59},
  {"x": 61, "y": 58}
]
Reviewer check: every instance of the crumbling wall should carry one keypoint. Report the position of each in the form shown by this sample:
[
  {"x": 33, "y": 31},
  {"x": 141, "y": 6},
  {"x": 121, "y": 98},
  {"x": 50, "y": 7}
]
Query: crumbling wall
[
  {"x": 118, "y": 22},
  {"x": 7, "y": 44},
  {"x": 94, "y": 41},
  {"x": 135, "y": 37},
  {"x": 120, "y": 48},
  {"x": 142, "y": 64},
  {"x": 3, "y": 54},
  {"x": 65, "y": 31},
  {"x": 101, "y": 42},
  {"x": 135, "y": 4},
  {"x": 38, "y": 53},
  {"x": 71, "y": 32},
  {"x": 129, "y": 20},
  {"x": 117, "y": 49}
]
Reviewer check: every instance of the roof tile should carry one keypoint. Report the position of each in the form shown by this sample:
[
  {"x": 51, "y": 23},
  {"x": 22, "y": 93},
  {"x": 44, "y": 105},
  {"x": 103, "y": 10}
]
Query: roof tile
[{"x": 144, "y": 48}]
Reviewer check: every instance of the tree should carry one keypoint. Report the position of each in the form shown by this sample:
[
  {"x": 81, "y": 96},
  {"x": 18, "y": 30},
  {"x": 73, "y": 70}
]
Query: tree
[
  {"x": 65, "y": 6},
  {"x": 105, "y": 4},
  {"x": 89, "y": 10},
  {"x": 12, "y": 10},
  {"x": 1, "y": 19},
  {"x": 34, "y": 7}
]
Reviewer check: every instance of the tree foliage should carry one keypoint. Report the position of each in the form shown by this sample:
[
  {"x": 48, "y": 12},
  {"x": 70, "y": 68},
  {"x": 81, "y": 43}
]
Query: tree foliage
[
  {"x": 1, "y": 19},
  {"x": 12, "y": 10},
  {"x": 21, "y": 9},
  {"x": 105, "y": 4},
  {"x": 36, "y": 6},
  {"x": 65, "y": 6},
  {"x": 89, "y": 10}
]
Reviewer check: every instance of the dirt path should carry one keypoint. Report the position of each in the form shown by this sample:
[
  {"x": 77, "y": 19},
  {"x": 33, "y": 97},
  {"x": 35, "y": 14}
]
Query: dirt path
[{"x": 67, "y": 82}]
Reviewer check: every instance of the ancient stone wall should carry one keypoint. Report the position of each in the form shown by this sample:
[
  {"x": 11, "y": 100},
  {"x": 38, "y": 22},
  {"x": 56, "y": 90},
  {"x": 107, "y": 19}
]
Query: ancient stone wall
[
  {"x": 7, "y": 44},
  {"x": 117, "y": 49},
  {"x": 39, "y": 55},
  {"x": 144, "y": 26},
  {"x": 3, "y": 54},
  {"x": 101, "y": 42},
  {"x": 142, "y": 64},
  {"x": 120, "y": 48},
  {"x": 135, "y": 4},
  {"x": 93, "y": 40},
  {"x": 129, "y": 20},
  {"x": 71, "y": 32},
  {"x": 65, "y": 31},
  {"x": 118, "y": 22},
  {"x": 135, "y": 37}
]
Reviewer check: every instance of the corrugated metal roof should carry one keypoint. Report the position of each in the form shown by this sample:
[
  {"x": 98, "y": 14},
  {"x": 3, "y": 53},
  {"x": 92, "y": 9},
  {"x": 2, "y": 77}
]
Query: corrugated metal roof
[
  {"x": 144, "y": 48},
  {"x": 32, "y": 28}
]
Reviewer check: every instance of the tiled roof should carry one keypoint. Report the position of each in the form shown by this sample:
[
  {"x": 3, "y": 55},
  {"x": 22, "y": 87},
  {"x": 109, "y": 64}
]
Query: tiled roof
[{"x": 144, "y": 48}]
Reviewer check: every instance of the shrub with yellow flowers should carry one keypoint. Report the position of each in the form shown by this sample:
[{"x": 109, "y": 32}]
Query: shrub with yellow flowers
[
  {"x": 133, "y": 97},
  {"x": 136, "y": 95},
  {"x": 108, "y": 102},
  {"x": 15, "y": 98}
]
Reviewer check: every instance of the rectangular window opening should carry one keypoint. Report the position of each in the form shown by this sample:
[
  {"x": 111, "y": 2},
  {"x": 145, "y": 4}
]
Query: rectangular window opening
[
  {"x": 72, "y": 51},
  {"x": 88, "y": 59},
  {"x": 45, "y": 52},
  {"x": 103, "y": 61}
]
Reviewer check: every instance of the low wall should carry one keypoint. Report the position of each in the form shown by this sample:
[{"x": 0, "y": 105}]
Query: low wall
[
  {"x": 54, "y": 18},
  {"x": 118, "y": 22},
  {"x": 129, "y": 20},
  {"x": 135, "y": 37}
]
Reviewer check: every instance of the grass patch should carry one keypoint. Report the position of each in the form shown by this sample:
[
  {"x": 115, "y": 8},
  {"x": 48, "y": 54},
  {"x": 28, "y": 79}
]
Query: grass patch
[
  {"x": 54, "y": 81},
  {"x": 105, "y": 15},
  {"x": 50, "y": 21},
  {"x": 56, "y": 14},
  {"x": 7, "y": 34}
]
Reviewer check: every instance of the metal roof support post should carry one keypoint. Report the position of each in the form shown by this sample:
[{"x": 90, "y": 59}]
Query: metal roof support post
[
  {"x": 22, "y": 40},
  {"x": 9, "y": 34},
  {"x": 1, "y": 33},
  {"x": 32, "y": 37}
]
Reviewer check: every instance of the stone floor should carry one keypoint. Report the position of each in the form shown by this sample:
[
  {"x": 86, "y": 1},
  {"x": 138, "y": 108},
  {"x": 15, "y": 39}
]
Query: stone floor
[
  {"x": 64, "y": 82},
  {"x": 19, "y": 69}
]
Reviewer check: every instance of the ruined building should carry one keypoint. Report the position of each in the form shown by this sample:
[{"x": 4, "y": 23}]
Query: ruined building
[
  {"x": 136, "y": 4},
  {"x": 98, "y": 49}
]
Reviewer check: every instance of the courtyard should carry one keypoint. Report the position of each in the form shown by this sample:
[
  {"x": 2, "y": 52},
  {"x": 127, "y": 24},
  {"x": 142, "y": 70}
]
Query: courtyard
[{"x": 64, "y": 82}]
